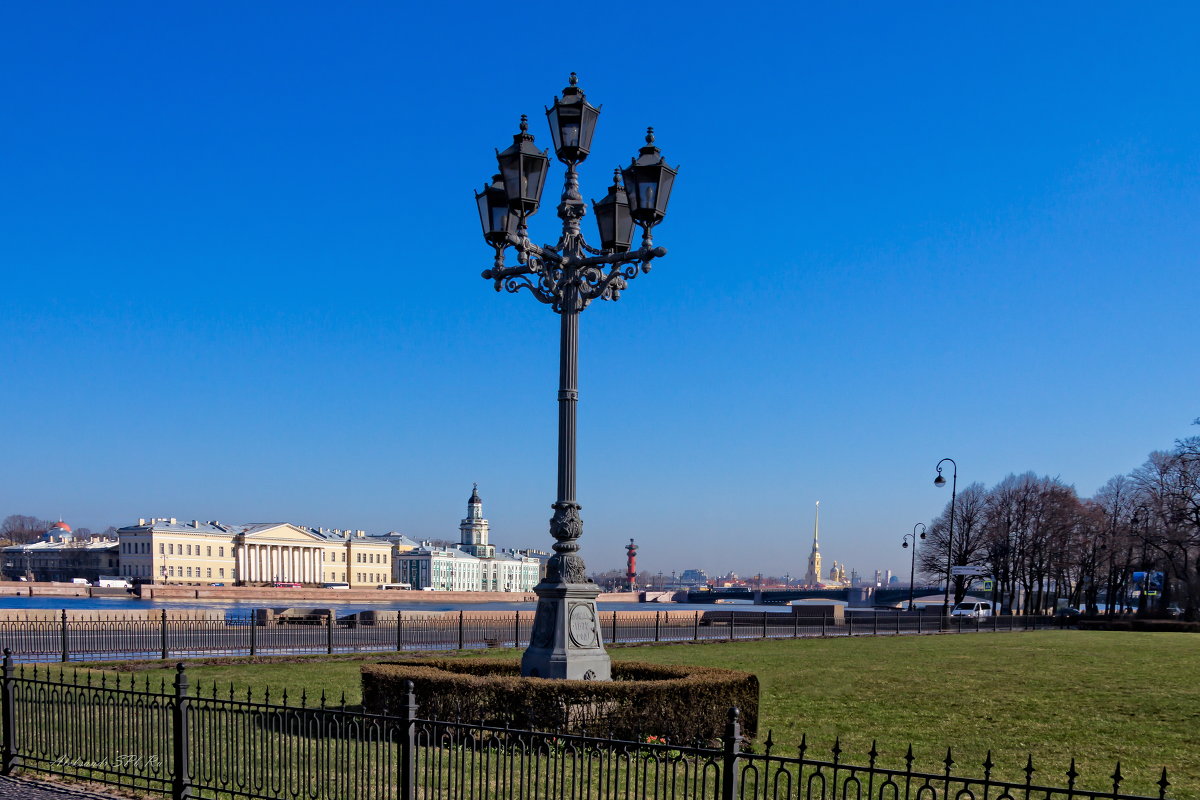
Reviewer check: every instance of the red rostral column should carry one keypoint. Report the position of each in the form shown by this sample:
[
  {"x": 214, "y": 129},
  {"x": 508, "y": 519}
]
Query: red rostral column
[{"x": 631, "y": 567}]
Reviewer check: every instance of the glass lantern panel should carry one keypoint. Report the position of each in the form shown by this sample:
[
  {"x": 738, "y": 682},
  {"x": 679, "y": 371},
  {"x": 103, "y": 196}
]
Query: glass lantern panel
[
  {"x": 514, "y": 181},
  {"x": 647, "y": 192},
  {"x": 534, "y": 174},
  {"x": 570, "y": 133},
  {"x": 666, "y": 181},
  {"x": 588, "y": 127},
  {"x": 481, "y": 201},
  {"x": 499, "y": 218}
]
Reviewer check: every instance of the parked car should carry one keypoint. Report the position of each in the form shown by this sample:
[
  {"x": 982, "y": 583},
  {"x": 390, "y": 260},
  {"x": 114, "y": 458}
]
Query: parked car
[
  {"x": 216, "y": 584},
  {"x": 971, "y": 609},
  {"x": 1174, "y": 611},
  {"x": 1067, "y": 614}
]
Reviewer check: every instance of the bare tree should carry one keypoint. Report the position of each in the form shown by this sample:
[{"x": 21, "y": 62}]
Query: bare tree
[
  {"x": 969, "y": 547},
  {"x": 21, "y": 529}
]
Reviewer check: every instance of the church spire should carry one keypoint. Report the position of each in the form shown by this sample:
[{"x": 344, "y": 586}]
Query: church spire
[{"x": 813, "y": 576}]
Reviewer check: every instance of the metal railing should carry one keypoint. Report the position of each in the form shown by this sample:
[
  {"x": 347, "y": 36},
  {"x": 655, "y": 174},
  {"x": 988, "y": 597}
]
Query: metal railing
[
  {"x": 186, "y": 742},
  {"x": 166, "y": 637}
]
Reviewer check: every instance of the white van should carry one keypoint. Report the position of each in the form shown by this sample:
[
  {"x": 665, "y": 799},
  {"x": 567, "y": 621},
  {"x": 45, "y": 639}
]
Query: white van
[
  {"x": 972, "y": 609},
  {"x": 395, "y": 586}
]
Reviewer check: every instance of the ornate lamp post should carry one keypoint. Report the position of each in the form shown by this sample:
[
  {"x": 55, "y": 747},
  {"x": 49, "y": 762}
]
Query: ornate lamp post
[
  {"x": 939, "y": 481},
  {"x": 567, "y": 276},
  {"x": 912, "y": 569}
]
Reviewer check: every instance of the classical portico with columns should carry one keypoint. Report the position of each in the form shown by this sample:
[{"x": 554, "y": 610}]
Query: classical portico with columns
[{"x": 175, "y": 551}]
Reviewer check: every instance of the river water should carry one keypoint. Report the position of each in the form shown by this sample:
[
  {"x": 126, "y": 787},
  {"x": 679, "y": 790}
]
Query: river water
[{"x": 340, "y": 608}]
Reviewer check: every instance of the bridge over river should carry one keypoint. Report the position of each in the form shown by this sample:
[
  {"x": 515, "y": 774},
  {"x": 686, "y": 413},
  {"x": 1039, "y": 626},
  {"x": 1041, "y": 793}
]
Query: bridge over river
[{"x": 859, "y": 596}]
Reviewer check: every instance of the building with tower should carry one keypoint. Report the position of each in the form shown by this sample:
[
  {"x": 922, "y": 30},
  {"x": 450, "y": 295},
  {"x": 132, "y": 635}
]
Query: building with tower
[
  {"x": 473, "y": 531},
  {"x": 474, "y": 565}
]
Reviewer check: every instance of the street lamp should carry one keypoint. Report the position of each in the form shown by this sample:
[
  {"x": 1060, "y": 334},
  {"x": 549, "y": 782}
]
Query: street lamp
[
  {"x": 912, "y": 569},
  {"x": 566, "y": 639},
  {"x": 1143, "y": 601},
  {"x": 939, "y": 481}
]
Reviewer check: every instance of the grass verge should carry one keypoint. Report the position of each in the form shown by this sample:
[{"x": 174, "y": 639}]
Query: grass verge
[{"x": 1097, "y": 697}]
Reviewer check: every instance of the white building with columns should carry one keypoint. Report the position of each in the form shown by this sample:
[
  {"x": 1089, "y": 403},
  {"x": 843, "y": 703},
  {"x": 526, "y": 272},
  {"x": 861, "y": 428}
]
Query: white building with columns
[{"x": 170, "y": 551}]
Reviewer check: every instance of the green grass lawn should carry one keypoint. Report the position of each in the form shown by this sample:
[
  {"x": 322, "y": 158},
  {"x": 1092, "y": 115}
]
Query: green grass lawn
[{"x": 1094, "y": 696}]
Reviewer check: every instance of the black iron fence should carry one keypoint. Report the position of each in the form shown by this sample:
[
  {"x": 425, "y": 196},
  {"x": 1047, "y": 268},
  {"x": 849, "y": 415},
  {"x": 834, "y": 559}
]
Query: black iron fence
[
  {"x": 166, "y": 637},
  {"x": 188, "y": 742}
]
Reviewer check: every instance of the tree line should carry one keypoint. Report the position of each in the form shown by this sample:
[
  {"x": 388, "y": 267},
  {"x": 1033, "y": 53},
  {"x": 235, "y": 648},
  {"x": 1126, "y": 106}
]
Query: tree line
[{"x": 1134, "y": 546}]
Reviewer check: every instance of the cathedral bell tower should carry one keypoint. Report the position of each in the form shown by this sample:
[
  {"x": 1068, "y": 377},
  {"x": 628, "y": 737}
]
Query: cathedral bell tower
[{"x": 473, "y": 531}]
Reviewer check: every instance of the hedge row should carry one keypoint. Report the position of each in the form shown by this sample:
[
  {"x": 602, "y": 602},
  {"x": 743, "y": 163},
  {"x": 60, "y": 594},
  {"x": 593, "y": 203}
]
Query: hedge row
[
  {"x": 1155, "y": 625},
  {"x": 683, "y": 704}
]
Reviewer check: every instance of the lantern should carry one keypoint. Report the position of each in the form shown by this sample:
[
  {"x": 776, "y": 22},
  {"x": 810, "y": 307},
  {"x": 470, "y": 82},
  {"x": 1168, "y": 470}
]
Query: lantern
[
  {"x": 523, "y": 168},
  {"x": 493, "y": 212},
  {"x": 648, "y": 182},
  {"x": 613, "y": 217},
  {"x": 572, "y": 123}
]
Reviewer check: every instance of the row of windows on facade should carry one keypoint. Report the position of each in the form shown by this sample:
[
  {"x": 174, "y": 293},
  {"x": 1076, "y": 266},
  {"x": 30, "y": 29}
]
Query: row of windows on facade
[
  {"x": 129, "y": 547},
  {"x": 190, "y": 572}
]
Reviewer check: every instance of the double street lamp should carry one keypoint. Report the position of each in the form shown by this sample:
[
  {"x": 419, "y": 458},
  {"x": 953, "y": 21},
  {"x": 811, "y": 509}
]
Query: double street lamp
[
  {"x": 566, "y": 640},
  {"x": 912, "y": 569},
  {"x": 939, "y": 481}
]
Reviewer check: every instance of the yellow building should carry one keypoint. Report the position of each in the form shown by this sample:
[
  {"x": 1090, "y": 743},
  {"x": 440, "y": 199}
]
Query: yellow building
[{"x": 173, "y": 551}]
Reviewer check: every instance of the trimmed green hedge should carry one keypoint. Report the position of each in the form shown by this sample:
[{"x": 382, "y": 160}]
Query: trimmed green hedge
[
  {"x": 1151, "y": 625},
  {"x": 684, "y": 704}
]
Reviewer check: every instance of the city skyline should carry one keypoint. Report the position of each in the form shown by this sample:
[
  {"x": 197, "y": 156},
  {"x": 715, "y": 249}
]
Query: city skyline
[{"x": 243, "y": 263}]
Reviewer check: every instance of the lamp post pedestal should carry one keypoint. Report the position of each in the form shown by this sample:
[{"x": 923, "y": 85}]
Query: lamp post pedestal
[{"x": 566, "y": 641}]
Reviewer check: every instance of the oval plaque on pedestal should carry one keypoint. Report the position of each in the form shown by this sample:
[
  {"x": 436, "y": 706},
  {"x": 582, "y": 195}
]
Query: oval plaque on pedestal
[{"x": 583, "y": 626}]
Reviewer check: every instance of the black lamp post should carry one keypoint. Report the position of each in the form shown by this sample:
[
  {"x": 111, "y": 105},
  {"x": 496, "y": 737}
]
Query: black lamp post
[
  {"x": 939, "y": 481},
  {"x": 912, "y": 569},
  {"x": 566, "y": 640},
  {"x": 1143, "y": 597}
]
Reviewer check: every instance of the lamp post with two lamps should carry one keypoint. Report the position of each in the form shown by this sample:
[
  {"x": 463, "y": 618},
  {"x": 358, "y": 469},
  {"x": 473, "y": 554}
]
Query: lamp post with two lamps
[
  {"x": 567, "y": 276},
  {"x": 939, "y": 481},
  {"x": 912, "y": 569}
]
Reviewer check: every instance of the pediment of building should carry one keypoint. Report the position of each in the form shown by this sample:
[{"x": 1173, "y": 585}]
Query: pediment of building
[{"x": 283, "y": 532}]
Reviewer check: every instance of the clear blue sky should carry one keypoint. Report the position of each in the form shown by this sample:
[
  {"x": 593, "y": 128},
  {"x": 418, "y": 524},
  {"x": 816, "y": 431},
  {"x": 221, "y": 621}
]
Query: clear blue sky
[{"x": 241, "y": 265}]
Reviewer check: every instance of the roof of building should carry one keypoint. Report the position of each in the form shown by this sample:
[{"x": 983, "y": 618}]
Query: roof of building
[
  {"x": 474, "y": 498},
  {"x": 444, "y": 552},
  {"x": 172, "y": 525},
  {"x": 61, "y": 526},
  {"x": 395, "y": 537},
  {"x": 65, "y": 543}
]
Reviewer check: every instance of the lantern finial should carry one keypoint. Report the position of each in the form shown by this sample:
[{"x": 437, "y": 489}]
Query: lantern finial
[
  {"x": 617, "y": 176},
  {"x": 574, "y": 79},
  {"x": 649, "y": 135},
  {"x": 524, "y": 124}
]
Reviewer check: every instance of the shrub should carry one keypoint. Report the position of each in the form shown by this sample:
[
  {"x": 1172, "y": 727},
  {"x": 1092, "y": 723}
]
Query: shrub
[
  {"x": 1154, "y": 625},
  {"x": 684, "y": 704}
]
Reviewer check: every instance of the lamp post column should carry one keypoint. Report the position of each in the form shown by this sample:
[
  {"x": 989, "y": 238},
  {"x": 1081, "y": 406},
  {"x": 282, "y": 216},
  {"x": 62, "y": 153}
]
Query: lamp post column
[
  {"x": 565, "y": 641},
  {"x": 912, "y": 569},
  {"x": 940, "y": 481}
]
